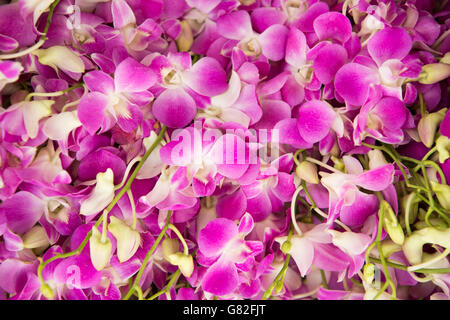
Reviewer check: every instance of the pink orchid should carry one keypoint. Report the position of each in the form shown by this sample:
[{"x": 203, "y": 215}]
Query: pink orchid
[
  {"x": 387, "y": 48},
  {"x": 116, "y": 100},
  {"x": 222, "y": 243},
  {"x": 182, "y": 86},
  {"x": 237, "y": 26},
  {"x": 346, "y": 201}
]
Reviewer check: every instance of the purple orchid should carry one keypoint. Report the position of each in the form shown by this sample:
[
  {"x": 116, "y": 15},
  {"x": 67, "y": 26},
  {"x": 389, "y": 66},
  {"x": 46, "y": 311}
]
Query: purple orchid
[
  {"x": 116, "y": 100},
  {"x": 228, "y": 255}
]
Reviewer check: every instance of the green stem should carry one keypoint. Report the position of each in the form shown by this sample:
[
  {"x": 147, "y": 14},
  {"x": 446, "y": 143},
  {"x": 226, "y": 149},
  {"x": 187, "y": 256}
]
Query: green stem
[
  {"x": 148, "y": 256},
  {"x": 429, "y": 153},
  {"x": 180, "y": 236},
  {"x": 52, "y": 94},
  {"x": 382, "y": 258},
  {"x": 133, "y": 209},
  {"x": 357, "y": 283},
  {"x": 437, "y": 168},
  {"x": 297, "y": 162},
  {"x": 324, "y": 279},
  {"x": 405, "y": 268},
  {"x": 313, "y": 204},
  {"x": 166, "y": 290},
  {"x": 111, "y": 205},
  {"x": 423, "y": 110},
  {"x": 393, "y": 157},
  {"x": 41, "y": 41},
  {"x": 268, "y": 293}
]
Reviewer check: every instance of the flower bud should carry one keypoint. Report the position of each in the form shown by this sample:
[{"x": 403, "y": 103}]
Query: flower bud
[
  {"x": 47, "y": 291},
  {"x": 102, "y": 195},
  {"x": 169, "y": 247},
  {"x": 369, "y": 272},
  {"x": 437, "y": 223},
  {"x": 100, "y": 250},
  {"x": 247, "y": 2},
  {"x": 35, "y": 238},
  {"x": 33, "y": 112},
  {"x": 443, "y": 148},
  {"x": 412, "y": 247},
  {"x": 442, "y": 193},
  {"x": 376, "y": 159},
  {"x": 170, "y": 250},
  {"x": 371, "y": 293},
  {"x": 428, "y": 126},
  {"x": 434, "y": 72},
  {"x": 410, "y": 205},
  {"x": 446, "y": 58},
  {"x": 184, "y": 261},
  {"x": 391, "y": 225},
  {"x": 308, "y": 172},
  {"x": 338, "y": 163},
  {"x": 128, "y": 240},
  {"x": 286, "y": 247},
  {"x": 60, "y": 57},
  {"x": 388, "y": 247},
  {"x": 185, "y": 39}
]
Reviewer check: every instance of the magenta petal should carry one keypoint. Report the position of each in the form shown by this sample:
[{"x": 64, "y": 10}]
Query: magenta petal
[
  {"x": 314, "y": 120},
  {"x": 132, "y": 76},
  {"x": 22, "y": 211},
  {"x": 264, "y": 17},
  {"x": 100, "y": 161},
  {"x": 7, "y": 43},
  {"x": 360, "y": 210},
  {"x": 122, "y": 14},
  {"x": 99, "y": 81},
  {"x": 273, "y": 42},
  {"x": 221, "y": 278},
  {"x": 333, "y": 25},
  {"x": 329, "y": 257},
  {"x": 246, "y": 224},
  {"x": 232, "y": 206},
  {"x": 91, "y": 111},
  {"x": 231, "y": 156},
  {"x": 203, "y": 5},
  {"x": 292, "y": 92},
  {"x": 273, "y": 112},
  {"x": 174, "y": 108},
  {"x": 28, "y": 291},
  {"x": 131, "y": 123},
  {"x": 376, "y": 179},
  {"x": 289, "y": 134},
  {"x": 328, "y": 61},
  {"x": 77, "y": 272},
  {"x": 445, "y": 125},
  {"x": 391, "y": 112},
  {"x": 353, "y": 82},
  {"x": 14, "y": 274},
  {"x": 236, "y": 25},
  {"x": 259, "y": 206},
  {"x": 213, "y": 238},
  {"x": 296, "y": 47},
  {"x": 207, "y": 77},
  {"x": 389, "y": 43},
  {"x": 285, "y": 187}
]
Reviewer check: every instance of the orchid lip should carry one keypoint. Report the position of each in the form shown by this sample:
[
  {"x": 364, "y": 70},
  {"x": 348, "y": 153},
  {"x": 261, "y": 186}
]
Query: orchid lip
[
  {"x": 171, "y": 77},
  {"x": 251, "y": 46}
]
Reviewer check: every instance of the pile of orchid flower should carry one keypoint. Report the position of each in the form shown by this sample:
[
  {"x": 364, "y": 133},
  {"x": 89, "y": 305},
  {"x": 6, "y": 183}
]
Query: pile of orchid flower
[{"x": 224, "y": 149}]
